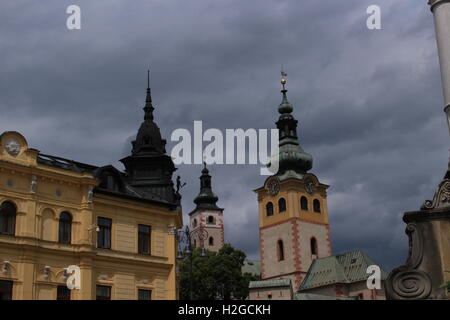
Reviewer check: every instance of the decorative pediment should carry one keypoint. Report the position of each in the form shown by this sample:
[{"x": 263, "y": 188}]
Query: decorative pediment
[{"x": 14, "y": 148}]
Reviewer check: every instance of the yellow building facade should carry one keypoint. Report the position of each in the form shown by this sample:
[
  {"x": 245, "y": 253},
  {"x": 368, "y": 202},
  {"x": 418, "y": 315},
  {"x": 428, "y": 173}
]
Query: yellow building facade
[{"x": 118, "y": 228}]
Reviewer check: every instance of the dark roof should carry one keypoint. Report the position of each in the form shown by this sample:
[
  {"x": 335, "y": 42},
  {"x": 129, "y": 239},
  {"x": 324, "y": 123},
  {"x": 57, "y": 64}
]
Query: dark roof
[
  {"x": 120, "y": 188},
  {"x": 66, "y": 164}
]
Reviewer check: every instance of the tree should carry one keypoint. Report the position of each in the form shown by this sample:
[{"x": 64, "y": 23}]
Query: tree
[{"x": 215, "y": 277}]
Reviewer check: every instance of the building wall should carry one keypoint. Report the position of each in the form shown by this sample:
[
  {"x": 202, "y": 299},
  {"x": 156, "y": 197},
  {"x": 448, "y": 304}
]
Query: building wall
[
  {"x": 356, "y": 289},
  {"x": 281, "y": 293},
  {"x": 295, "y": 227},
  {"x": 35, "y": 243}
]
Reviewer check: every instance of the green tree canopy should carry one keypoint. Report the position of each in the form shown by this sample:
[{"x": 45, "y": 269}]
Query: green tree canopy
[{"x": 215, "y": 277}]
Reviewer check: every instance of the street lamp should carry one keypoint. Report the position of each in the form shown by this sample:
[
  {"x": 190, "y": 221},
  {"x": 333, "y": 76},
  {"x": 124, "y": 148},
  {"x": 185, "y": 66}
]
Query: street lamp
[{"x": 185, "y": 250}]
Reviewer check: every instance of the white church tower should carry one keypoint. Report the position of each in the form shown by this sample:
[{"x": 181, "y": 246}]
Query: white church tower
[{"x": 207, "y": 216}]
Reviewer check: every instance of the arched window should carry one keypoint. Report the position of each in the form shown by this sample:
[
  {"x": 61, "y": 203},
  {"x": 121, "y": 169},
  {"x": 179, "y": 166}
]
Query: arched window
[
  {"x": 280, "y": 250},
  {"x": 8, "y": 218},
  {"x": 194, "y": 223},
  {"x": 65, "y": 228},
  {"x": 281, "y": 205},
  {"x": 304, "y": 203},
  {"x": 210, "y": 220},
  {"x": 269, "y": 209},
  {"x": 211, "y": 241},
  {"x": 314, "y": 251},
  {"x": 316, "y": 205}
]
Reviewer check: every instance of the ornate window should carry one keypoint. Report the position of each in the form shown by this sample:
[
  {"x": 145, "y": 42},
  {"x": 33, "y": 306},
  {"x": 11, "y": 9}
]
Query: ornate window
[
  {"x": 211, "y": 241},
  {"x": 194, "y": 223},
  {"x": 280, "y": 250},
  {"x": 8, "y": 218},
  {"x": 316, "y": 205},
  {"x": 281, "y": 205},
  {"x": 65, "y": 228},
  {"x": 314, "y": 251},
  {"x": 144, "y": 239},
  {"x": 210, "y": 220},
  {"x": 269, "y": 209},
  {"x": 304, "y": 203}
]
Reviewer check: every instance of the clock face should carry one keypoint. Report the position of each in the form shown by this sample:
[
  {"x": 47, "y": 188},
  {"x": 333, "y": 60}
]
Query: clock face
[
  {"x": 309, "y": 186},
  {"x": 12, "y": 146},
  {"x": 274, "y": 187}
]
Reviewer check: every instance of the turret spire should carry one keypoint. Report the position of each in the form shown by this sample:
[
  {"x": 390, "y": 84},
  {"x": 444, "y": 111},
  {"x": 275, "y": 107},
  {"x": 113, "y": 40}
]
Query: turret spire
[
  {"x": 292, "y": 157},
  {"x": 206, "y": 198},
  {"x": 285, "y": 106},
  {"x": 148, "y": 101}
]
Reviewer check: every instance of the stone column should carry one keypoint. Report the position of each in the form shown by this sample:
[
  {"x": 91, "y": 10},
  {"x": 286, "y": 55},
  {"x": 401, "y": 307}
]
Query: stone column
[
  {"x": 441, "y": 13},
  {"x": 428, "y": 266}
]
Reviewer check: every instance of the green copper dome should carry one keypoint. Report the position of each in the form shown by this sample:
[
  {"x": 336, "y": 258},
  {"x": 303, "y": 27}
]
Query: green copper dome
[{"x": 291, "y": 156}]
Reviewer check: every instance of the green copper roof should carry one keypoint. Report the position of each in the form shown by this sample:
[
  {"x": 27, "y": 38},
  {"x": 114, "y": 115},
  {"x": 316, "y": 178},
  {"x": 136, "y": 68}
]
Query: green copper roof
[
  {"x": 252, "y": 267},
  {"x": 206, "y": 198},
  {"x": 271, "y": 283},
  {"x": 312, "y": 296},
  {"x": 291, "y": 156},
  {"x": 344, "y": 268}
]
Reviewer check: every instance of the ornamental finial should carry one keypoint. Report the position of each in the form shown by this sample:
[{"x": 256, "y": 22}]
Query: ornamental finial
[{"x": 283, "y": 77}]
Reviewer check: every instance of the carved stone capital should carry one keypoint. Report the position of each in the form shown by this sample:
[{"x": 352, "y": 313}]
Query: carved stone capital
[
  {"x": 434, "y": 3},
  {"x": 422, "y": 276}
]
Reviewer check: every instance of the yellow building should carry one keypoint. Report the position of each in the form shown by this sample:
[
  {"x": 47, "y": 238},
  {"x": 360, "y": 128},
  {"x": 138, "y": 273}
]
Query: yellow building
[{"x": 117, "y": 227}]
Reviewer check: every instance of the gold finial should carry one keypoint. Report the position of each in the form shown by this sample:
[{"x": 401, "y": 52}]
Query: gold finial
[{"x": 283, "y": 77}]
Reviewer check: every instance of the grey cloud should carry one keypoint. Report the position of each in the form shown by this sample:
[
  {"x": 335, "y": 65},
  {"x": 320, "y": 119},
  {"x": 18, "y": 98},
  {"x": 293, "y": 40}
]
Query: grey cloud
[{"x": 368, "y": 102}]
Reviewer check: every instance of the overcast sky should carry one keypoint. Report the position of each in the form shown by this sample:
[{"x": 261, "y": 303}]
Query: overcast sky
[{"x": 369, "y": 102}]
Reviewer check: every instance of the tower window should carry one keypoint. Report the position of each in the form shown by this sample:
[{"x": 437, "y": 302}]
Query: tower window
[
  {"x": 304, "y": 203},
  {"x": 282, "y": 205},
  {"x": 8, "y": 218},
  {"x": 65, "y": 228},
  {"x": 211, "y": 241},
  {"x": 269, "y": 209},
  {"x": 314, "y": 251},
  {"x": 194, "y": 223},
  {"x": 280, "y": 250},
  {"x": 316, "y": 205},
  {"x": 210, "y": 220}
]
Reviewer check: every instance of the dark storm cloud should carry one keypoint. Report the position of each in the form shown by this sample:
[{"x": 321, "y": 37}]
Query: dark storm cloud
[{"x": 368, "y": 102}]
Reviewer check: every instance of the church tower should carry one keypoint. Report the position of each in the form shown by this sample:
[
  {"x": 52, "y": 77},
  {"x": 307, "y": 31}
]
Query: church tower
[
  {"x": 207, "y": 216},
  {"x": 149, "y": 169},
  {"x": 293, "y": 214}
]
